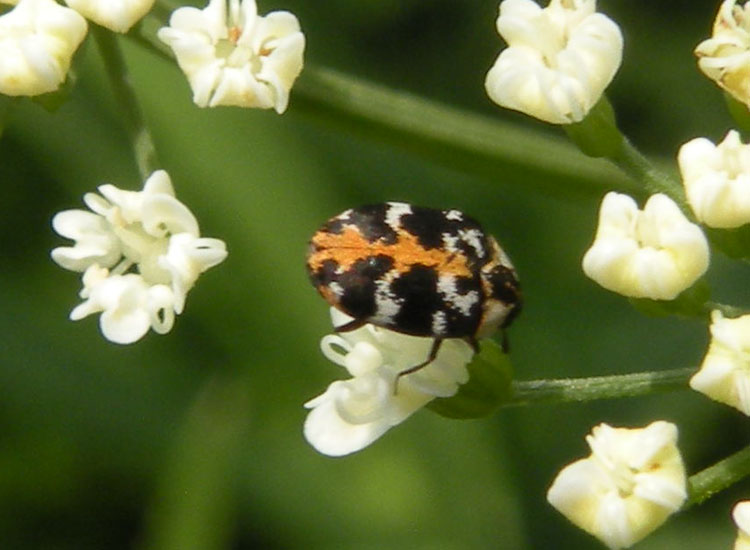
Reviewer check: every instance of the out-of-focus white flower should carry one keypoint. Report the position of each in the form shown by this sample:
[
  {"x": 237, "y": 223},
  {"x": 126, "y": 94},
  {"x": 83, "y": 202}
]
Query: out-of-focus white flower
[
  {"x": 352, "y": 414},
  {"x": 559, "y": 59},
  {"x": 236, "y": 57},
  {"x": 632, "y": 481},
  {"x": 725, "y": 373},
  {"x": 725, "y": 57},
  {"x": 37, "y": 41},
  {"x": 141, "y": 252},
  {"x": 116, "y": 15},
  {"x": 741, "y": 516},
  {"x": 717, "y": 180},
  {"x": 651, "y": 253}
]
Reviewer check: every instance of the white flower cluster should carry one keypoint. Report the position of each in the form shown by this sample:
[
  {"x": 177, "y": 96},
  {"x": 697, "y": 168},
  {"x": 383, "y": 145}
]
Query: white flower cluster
[
  {"x": 353, "y": 413},
  {"x": 140, "y": 253},
  {"x": 39, "y": 37},
  {"x": 657, "y": 253},
  {"x": 559, "y": 59},
  {"x": 233, "y": 56},
  {"x": 725, "y": 57},
  {"x": 230, "y": 54},
  {"x": 632, "y": 481}
]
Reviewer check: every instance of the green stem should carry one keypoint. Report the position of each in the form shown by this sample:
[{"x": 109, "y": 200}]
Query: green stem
[
  {"x": 598, "y": 387},
  {"x": 476, "y": 144},
  {"x": 130, "y": 111},
  {"x": 473, "y": 143},
  {"x": 721, "y": 475},
  {"x": 637, "y": 166},
  {"x": 598, "y": 136}
]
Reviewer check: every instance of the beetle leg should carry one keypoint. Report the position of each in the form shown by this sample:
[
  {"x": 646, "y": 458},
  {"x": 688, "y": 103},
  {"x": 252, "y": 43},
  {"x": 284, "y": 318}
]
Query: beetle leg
[
  {"x": 354, "y": 324},
  {"x": 505, "y": 343},
  {"x": 430, "y": 358}
]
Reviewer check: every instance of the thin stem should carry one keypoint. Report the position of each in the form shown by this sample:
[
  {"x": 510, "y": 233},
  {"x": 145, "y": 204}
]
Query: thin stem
[
  {"x": 597, "y": 387},
  {"x": 637, "y": 166},
  {"x": 708, "y": 482},
  {"x": 598, "y": 136},
  {"x": 475, "y": 144},
  {"x": 482, "y": 145},
  {"x": 132, "y": 116}
]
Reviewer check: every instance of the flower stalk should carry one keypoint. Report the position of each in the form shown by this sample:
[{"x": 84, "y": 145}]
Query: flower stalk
[
  {"x": 141, "y": 141},
  {"x": 569, "y": 390},
  {"x": 598, "y": 136},
  {"x": 476, "y": 144},
  {"x": 715, "y": 478}
]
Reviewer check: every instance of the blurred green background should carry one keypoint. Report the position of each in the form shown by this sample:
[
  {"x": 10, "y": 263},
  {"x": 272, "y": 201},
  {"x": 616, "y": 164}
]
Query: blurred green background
[{"x": 193, "y": 440}]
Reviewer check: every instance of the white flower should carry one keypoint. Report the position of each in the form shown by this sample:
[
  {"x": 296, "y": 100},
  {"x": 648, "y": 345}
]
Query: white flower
[
  {"x": 559, "y": 59},
  {"x": 236, "y": 58},
  {"x": 128, "y": 304},
  {"x": 37, "y": 41},
  {"x": 717, "y": 180},
  {"x": 654, "y": 253},
  {"x": 725, "y": 372},
  {"x": 116, "y": 15},
  {"x": 725, "y": 57},
  {"x": 352, "y": 414},
  {"x": 741, "y": 516},
  {"x": 141, "y": 252},
  {"x": 632, "y": 481}
]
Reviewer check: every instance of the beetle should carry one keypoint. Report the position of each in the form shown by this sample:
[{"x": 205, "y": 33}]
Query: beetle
[{"x": 415, "y": 270}]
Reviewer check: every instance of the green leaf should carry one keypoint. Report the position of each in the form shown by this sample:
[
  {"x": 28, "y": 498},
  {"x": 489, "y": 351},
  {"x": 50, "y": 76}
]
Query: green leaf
[
  {"x": 690, "y": 303},
  {"x": 489, "y": 385}
]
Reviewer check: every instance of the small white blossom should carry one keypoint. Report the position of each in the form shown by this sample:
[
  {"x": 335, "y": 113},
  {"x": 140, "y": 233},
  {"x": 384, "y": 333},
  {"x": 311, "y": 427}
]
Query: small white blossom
[
  {"x": 352, "y": 414},
  {"x": 741, "y": 516},
  {"x": 725, "y": 373},
  {"x": 632, "y": 481},
  {"x": 141, "y": 252},
  {"x": 651, "y": 253},
  {"x": 128, "y": 304},
  {"x": 116, "y": 15},
  {"x": 237, "y": 57},
  {"x": 725, "y": 57},
  {"x": 717, "y": 180},
  {"x": 37, "y": 41},
  {"x": 559, "y": 59}
]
